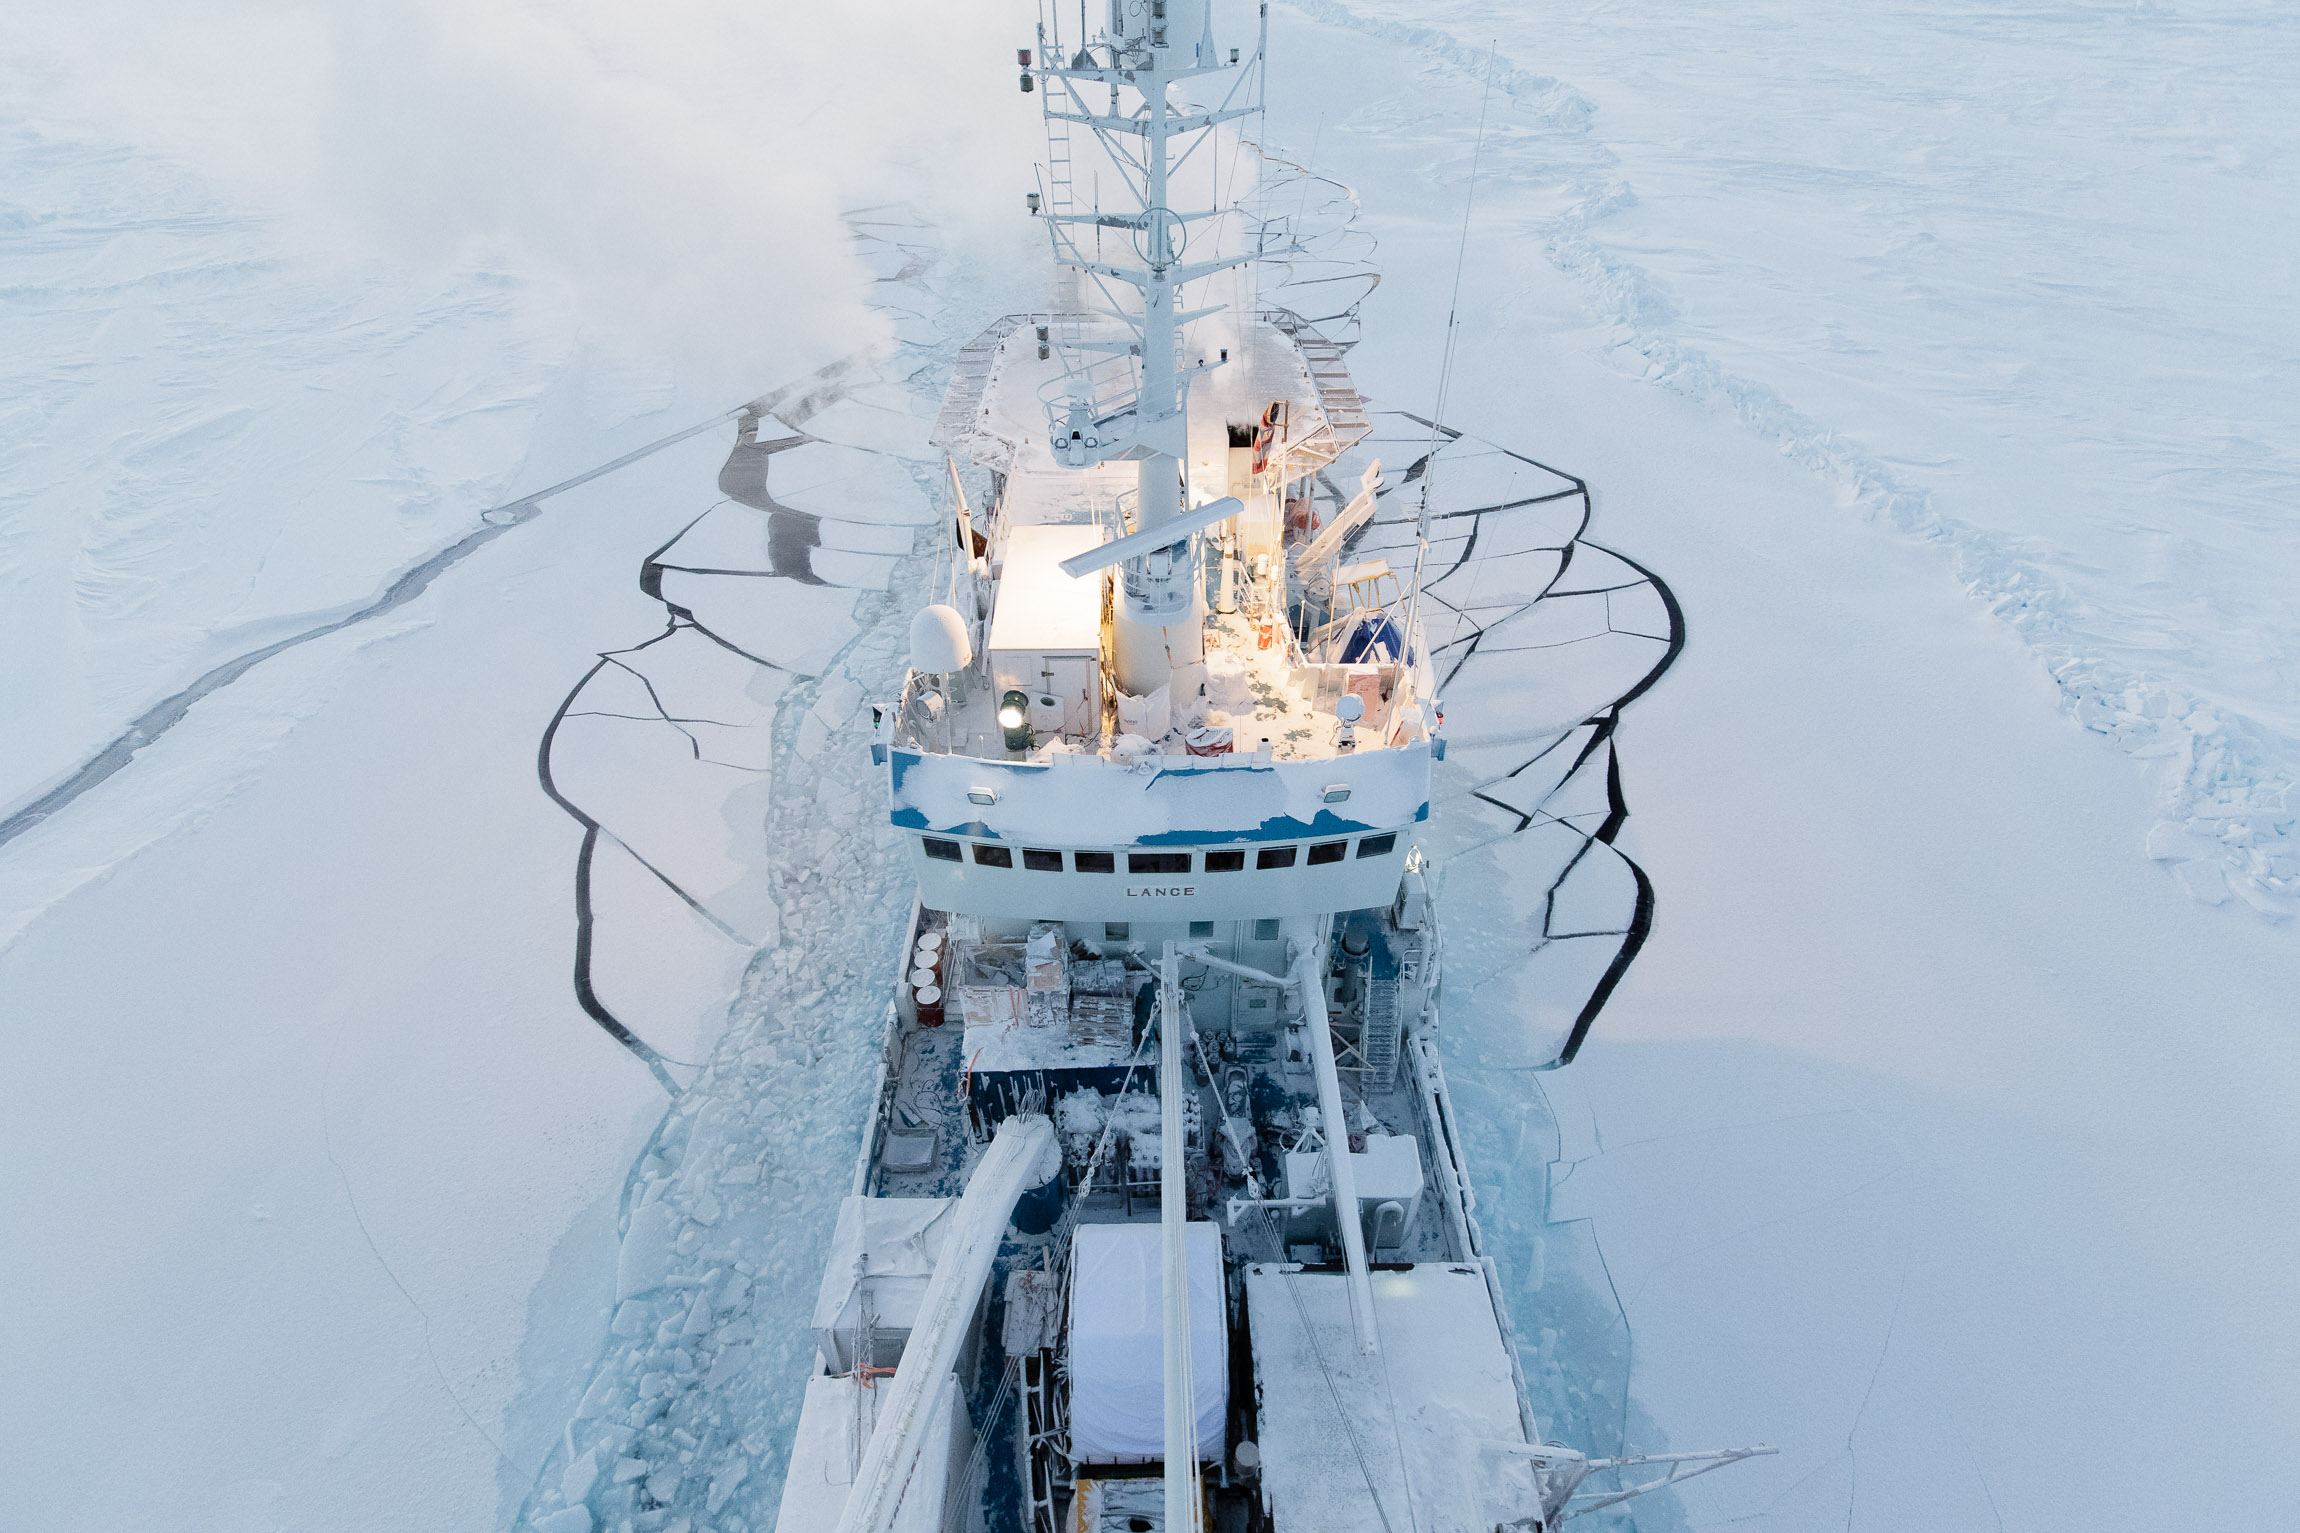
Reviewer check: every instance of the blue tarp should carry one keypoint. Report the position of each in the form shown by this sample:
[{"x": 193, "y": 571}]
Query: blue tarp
[{"x": 1367, "y": 630}]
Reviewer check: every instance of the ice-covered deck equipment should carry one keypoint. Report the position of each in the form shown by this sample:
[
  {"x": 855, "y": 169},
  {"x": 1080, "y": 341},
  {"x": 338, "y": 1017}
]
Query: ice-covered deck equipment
[
  {"x": 1357, "y": 1442},
  {"x": 882, "y": 1256}
]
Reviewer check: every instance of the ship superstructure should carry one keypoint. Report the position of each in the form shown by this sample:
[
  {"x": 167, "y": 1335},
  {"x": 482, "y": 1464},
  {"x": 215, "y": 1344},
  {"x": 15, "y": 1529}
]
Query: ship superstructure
[{"x": 1162, "y": 1217}]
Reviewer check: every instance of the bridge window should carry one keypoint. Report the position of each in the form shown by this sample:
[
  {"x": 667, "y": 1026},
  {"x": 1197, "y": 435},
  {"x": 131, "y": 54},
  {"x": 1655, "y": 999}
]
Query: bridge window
[
  {"x": 1327, "y": 851},
  {"x": 940, "y": 851},
  {"x": 1201, "y": 929},
  {"x": 1046, "y": 862},
  {"x": 1377, "y": 846},
  {"x": 1275, "y": 857},
  {"x": 1225, "y": 862},
  {"x": 993, "y": 856},
  {"x": 1157, "y": 862},
  {"x": 1266, "y": 929},
  {"x": 1114, "y": 931},
  {"x": 1094, "y": 862}
]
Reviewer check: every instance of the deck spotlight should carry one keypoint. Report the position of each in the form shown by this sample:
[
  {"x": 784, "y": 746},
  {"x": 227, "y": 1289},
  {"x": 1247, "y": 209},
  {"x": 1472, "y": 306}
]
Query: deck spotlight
[
  {"x": 1032, "y": 199},
  {"x": 1014, "y": 719}
]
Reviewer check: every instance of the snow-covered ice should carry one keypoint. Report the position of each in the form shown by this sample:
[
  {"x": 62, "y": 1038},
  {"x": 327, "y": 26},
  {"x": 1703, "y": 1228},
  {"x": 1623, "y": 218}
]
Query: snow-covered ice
[
  {"x": 1936, "y": 1135},
  {"x": 211, "y": 441},
  {"x": 2018, "y": 283}
]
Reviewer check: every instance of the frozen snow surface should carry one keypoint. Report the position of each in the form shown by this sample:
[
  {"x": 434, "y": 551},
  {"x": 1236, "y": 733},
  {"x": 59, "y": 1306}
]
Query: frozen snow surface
[
  {"x": 1934, "y": 1136},
  {"x": 208, "y": 441},
  {"x": 2018, "y": 282},
  {"x": 303, "y": 1115}
]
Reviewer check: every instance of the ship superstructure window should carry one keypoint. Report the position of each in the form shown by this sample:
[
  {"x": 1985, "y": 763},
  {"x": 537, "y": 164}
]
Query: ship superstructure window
[
  {"x": 993, "y": 856},
  {"x": 1266, "y": 929},
  {"x": 1377, "y": 846},
  {"x": 1201, "y": 929},
  {"x": 940, "y": 850},
  {"x": 1094, "y": 862},
  {"x": 1114, "y": 931},
  {"x": 1046, "y": 862},
  {"x": 1157, "y": 862},
  {"x": 1327, "y": 851},
  {"x": 1225, "y": 862},
  {"x": 1275, "y": 857}
]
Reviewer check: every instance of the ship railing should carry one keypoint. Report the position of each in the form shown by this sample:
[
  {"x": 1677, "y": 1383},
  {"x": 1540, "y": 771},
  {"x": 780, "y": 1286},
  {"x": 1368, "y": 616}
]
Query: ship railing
[
  {"x": 1105, "y": 381},
  {"x": 963, "y": 427},
  {"x": 1344, "y": 420},
  {"x": 917, "y": 725}
]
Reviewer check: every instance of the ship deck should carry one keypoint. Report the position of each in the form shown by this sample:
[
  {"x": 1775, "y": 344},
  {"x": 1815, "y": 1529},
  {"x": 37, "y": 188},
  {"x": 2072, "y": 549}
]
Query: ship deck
[
  {"x": 1000, "y": 1044},
  {"x": 926, "y": 1099},
  {"x": 1260, "y": 693},
  {"x": 1003, "y": 420},
  {"x": 954, "y": 1074},
  {"x": 1272, "y": 698}
]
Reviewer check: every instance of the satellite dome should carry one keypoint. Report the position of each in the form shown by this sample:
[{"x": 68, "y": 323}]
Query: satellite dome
[{"x": 938, "y": 641}]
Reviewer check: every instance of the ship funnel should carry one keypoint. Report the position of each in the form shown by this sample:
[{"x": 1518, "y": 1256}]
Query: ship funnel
[{"x": 938, "y": 641}]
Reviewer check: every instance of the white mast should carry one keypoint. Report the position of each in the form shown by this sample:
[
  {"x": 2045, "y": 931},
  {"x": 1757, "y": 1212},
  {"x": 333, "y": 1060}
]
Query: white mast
[
  {"x": 1138, "y": 409},
  {"x": 1173, "y": 1216}
]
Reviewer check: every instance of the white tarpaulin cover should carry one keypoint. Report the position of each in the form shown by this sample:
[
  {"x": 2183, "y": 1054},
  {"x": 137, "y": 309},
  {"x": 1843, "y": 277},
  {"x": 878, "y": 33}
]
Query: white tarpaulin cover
[
  {"x": 890, "y": 1244},
  {"x": 1118, "y": 1349},
  {"x": 1424, "y": 1413},
  {"x": 835, "y": 1424}
]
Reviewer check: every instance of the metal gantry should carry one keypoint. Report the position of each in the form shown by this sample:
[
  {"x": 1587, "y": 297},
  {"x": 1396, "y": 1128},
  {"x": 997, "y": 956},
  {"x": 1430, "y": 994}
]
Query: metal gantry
[{"x": 1123, "y": 391}]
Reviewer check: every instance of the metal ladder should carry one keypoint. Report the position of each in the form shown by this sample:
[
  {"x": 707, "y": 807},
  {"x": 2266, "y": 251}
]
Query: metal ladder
[
  {"x": 1104, "y": 381},
  {"x": 1379, "y": 1032},
  {"x": 1392, "y": 1003},
  {"x": 1344, "y": 419}
]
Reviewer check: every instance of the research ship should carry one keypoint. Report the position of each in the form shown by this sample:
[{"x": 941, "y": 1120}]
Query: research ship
[{"x": 1162, "y": 1220}]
